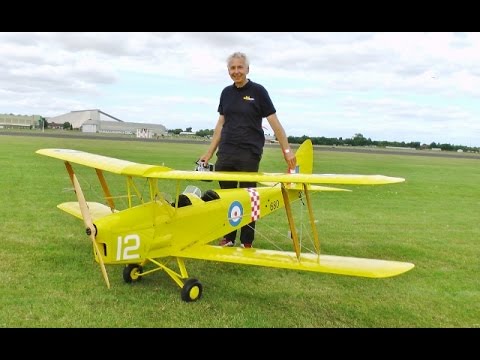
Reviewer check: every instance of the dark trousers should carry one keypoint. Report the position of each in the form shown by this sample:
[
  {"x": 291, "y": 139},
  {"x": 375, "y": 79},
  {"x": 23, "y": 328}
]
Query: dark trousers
[{"x": 239, "y": 162}]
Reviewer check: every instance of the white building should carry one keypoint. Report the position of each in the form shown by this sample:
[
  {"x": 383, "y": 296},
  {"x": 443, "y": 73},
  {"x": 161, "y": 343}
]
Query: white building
[{"x": 96, "y": 121}]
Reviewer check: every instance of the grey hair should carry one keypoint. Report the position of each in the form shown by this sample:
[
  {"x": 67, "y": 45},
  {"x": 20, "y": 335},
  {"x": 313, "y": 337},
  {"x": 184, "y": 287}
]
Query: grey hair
[{"x": 238, "y": 55}]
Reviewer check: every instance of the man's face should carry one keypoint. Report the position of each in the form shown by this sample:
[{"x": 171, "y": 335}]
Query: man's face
[{"x": 238, "y": 71}]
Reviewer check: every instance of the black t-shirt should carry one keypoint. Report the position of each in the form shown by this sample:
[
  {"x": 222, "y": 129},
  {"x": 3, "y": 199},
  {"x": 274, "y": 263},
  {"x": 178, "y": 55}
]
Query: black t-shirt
[{"x": 243, "y": 109}]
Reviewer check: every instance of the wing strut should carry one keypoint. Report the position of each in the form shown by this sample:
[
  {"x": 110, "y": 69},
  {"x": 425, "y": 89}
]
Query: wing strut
[
  {"x": 69, "y": 170},
  {"x": 312, "y": 220},
  {"x": 291, "y": 223},
  {"x": 106, "y": 190}
]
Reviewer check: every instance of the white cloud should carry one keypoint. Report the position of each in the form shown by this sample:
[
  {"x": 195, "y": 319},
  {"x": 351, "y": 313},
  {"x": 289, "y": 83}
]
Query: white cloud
[{"x": 388, "y": 86}]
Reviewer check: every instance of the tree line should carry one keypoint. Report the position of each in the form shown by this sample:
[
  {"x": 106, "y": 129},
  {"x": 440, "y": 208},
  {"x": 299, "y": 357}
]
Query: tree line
[
  {"x": 356, "y": 140},
  {"x": 360, "y": 140}
]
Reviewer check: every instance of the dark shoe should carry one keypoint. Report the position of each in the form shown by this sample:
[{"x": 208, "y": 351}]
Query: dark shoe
[{"x": 246, "y": 246}]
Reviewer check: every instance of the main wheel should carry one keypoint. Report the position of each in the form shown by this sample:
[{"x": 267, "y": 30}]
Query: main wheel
[
  {"x": 132, "y": 272},
  {"x": 192, "y": 290}
]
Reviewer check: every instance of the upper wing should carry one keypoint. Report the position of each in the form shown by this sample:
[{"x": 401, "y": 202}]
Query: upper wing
[
  {"x": 346, "y": 179},
  {"x": 116, "y": 166},
  {"x": 125, "y": 167},
  {"x": 341, "y": 265}
]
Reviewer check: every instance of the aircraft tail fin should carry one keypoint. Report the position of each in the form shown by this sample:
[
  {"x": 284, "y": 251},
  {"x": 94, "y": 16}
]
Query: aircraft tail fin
[{"x": 304, "y": 156}]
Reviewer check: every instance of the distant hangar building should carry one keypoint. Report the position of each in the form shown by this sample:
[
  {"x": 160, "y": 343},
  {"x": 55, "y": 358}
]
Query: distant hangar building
[
  {"x": 96, "y": 121},
  {"x": 11, "y": 121}
]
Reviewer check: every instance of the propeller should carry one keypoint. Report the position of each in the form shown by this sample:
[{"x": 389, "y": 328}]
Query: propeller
[{"x": 87, "y": 219}]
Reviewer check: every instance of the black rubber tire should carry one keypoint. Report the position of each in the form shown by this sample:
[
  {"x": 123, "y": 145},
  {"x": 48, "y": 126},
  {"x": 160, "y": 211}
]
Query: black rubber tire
[
  {"x": 130, "y": 273},
  {"x": 192, "y": 290}
]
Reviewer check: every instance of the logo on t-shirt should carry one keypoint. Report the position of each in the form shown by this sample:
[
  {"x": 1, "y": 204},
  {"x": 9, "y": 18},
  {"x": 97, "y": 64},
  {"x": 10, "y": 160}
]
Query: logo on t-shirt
[{"x": 248, "y": 98}]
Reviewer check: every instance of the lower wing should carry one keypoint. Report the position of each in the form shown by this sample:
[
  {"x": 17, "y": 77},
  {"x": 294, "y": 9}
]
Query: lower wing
[
  {"x": 96, "y": 209},
  {"x": 341, "y": 265}
]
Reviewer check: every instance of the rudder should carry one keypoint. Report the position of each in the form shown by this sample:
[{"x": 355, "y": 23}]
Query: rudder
[{"x": 304, "y": 155}]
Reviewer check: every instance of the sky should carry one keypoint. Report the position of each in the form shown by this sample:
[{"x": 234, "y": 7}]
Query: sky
[{"x": 390, "y": 86}]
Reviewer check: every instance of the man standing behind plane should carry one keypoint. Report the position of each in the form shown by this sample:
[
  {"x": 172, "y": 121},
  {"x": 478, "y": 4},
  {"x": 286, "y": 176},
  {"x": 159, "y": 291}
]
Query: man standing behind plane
[{"x": 239, "y": 135}]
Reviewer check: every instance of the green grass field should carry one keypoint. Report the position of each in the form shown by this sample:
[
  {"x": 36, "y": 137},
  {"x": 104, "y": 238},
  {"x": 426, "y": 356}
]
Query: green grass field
[{"x": 50, "y": 278}]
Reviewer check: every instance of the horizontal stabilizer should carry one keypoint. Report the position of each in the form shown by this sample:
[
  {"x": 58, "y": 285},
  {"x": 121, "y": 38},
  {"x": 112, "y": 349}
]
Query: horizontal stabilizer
[
  {"x": 96, "y": 209},
  {"x": 340, "y": 265}
]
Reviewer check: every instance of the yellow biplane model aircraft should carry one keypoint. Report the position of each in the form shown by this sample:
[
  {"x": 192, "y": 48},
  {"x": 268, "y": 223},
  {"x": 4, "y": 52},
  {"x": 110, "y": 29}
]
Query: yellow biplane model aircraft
[{"x": 157, "y": 231}]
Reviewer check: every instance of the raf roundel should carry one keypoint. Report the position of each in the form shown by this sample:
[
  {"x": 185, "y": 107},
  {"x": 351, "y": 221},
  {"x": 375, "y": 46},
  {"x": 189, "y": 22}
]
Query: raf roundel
[{"x": 235, "y": 213}]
